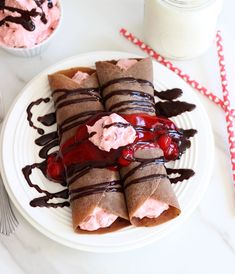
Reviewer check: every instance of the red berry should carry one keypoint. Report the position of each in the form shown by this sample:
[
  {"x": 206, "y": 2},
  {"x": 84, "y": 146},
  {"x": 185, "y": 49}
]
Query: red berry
[
  {"x": 127, "y": 154},
  {"x": 123, "y": 162},
  {"x": 54, "y": 168},
  {"x": 164, "y": 142},
  {"x": 113, "y": 168},
  {"x": 172, "y": 152}
]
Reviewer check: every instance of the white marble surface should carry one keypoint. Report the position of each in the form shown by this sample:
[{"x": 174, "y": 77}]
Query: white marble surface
[{"x": 206, "y": 242}]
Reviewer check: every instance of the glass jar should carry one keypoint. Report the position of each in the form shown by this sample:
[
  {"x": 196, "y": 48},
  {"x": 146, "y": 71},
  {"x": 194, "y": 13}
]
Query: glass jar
[{"x": 181, "y": 29}]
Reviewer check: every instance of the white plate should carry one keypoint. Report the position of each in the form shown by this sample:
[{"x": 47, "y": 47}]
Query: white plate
[{"x": 18, "y": 149}]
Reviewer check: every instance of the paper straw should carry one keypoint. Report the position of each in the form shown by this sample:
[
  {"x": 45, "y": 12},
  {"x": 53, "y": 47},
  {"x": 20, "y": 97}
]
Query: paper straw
[
  {"x": 224, "y": 83},
  {"x": 203, "y": 90}
]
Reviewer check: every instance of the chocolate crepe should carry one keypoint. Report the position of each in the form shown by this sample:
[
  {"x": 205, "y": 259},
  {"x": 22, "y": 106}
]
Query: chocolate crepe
[
  {"x": 146, "y": 176},
  {"x": 72, "y": 115},
  {"x": 73, "y": 107},
  {"x": 127, "y": 96}
]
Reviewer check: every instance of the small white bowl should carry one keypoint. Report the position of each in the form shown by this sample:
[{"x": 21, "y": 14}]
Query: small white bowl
[{"x": 38, "y": 49}]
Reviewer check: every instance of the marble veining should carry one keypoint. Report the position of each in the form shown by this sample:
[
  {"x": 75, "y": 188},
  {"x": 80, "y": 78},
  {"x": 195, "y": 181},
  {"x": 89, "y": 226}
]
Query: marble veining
[{"x": 223, "y": 235}]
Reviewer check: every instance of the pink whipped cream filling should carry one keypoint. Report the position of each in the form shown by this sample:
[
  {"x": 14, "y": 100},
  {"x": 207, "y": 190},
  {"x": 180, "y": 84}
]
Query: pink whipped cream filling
[
  {"x": 111, "y": 137},
  {"x": 125, "y": 64},
  {"x": 98, "y": 219},
  {"x": 80, "y": 76},
  {"x": 151, "y": 208},
  {"x": 15, "y": 36}
]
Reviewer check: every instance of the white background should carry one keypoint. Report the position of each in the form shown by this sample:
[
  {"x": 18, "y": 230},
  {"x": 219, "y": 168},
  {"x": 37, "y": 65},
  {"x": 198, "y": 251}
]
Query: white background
[{"x": 206, "y": 242}]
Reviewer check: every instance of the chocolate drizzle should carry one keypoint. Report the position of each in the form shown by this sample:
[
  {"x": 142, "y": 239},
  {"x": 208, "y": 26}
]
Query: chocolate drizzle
[
  {"x": 44, "y": 152},
  {"x": 167, "y": 108},
  {"x": 188, "y": 133},
  {"x": 62, "y": 100},
  {"x": 47, "y": 142},
  {"x": 142, "y": 102},
  {"x": 132, "y": 102},
  {"x": 43, "y": 201},
  {"x": 27, "y": 171},
  {"x": 25, "y": 18},
  {"x": 130, "y": 80},
  {"x": 144, "y": 179},
  {"x": 49, "y": 4},
  {"x": 143, "y": 163},
  {"x": 75, "y": 101},
  {"x": 117, "y": 124},
  {"x": 48, "y": 119},
  {"x": 76, "y": 171},
  {"x": 184, "y": 174},
  {"x": 93, "y": 92},
  {"x": 137, "y": 109},
  {"x": 182, "y": 137},
  {"x": 169, "y": 94},
  {"x": 145, "y": 101},
  {"x": 30, "y": 115},
  {"x": 134, "y": 93},
  {"x": 72, "y": 122},
  {"x": 113, "y": 186},
  {"x": 172, "y": 108},
  {"x": 47, "y": 138}
]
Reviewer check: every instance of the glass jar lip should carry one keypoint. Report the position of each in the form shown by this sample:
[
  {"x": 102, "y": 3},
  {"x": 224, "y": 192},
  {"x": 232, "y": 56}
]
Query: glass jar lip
[{"x": 189, "y": 4}]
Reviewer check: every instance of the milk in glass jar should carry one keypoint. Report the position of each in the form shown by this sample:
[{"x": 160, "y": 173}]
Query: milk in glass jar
[{"x": 181, "y": 29}]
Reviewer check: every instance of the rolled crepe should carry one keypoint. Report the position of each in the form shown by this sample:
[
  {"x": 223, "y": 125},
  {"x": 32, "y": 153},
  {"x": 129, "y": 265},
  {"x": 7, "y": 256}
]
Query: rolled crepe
[
  {"x": 89, "y": 190},
  {"x": 145, "y": 178},
  {"x": 127, "y": 96},
  {"x": 64, "y": 90}
]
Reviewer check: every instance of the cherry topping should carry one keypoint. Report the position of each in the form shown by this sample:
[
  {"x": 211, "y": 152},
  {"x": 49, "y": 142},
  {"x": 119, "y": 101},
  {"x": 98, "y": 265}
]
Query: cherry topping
[
  {"x": 127, "y": 153},
  {"x": 152, "y": 132},
  {"x": 172, "y": 152},
  {"x": 164, "y": 141},
  {"x": 55, "y": 168},
  {"x": 127, "y": 156}
]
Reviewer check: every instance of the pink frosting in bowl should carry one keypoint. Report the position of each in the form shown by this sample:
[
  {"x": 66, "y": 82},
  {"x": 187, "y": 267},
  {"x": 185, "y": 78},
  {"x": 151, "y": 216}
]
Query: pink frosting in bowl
[{"x": 21, "y": 42}]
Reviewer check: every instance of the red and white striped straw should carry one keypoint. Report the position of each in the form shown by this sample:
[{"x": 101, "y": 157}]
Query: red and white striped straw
[
  {"x": 203, "y": 90},
  {"x": 226, "y": 98}
]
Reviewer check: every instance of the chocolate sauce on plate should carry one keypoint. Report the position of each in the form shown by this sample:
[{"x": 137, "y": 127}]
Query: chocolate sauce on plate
[
  {"x": 149, "y": 130},
  {"x": 184, "y": 174},
  {"x": 169, "y": 94},
  {"x": 48, "y": 119},
  {"x": 47, "y": 142},
  {"x": 172, "y": 108},
  {"x": 46, "y": 138},
  {"x": 43, "y": 201},
  {"x": 30, "y": 114}
]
